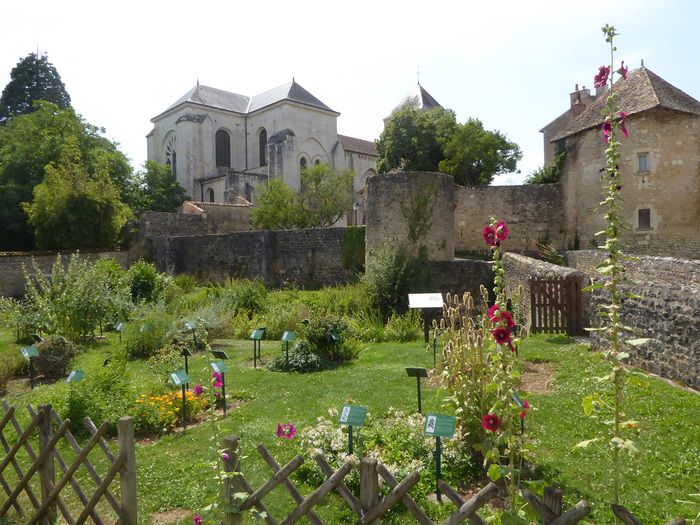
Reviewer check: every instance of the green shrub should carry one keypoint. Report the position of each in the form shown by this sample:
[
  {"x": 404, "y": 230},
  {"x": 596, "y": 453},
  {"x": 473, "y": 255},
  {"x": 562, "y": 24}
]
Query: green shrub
[
  {"x": 186, "y": 283},
  {"x": 242, "y": 295},
  {"x": 303, "y": 358},
  {"x": 404, "y": 328},
  {"x": 55, "y": 357},
  {"x": 20, "y": 317},
  {"x": 281, "y": 317},
  {"x": 367, "y": 326},
  {"x": 149, "y": 332},
  {"x": 330, "y": 338},
  {"x": 145, "y": 282},
  {"x": 11, "y": 365}
]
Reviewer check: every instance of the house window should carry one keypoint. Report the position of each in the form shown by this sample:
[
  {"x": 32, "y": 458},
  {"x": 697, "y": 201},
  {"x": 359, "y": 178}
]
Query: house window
[
  {"x": 210, "y": 195},
  {"x": 263, "y": 147},
  {"x": 644, "y": 219},
  {"x": 642, "y": 162},
  {"x": 223, "y": 149}
]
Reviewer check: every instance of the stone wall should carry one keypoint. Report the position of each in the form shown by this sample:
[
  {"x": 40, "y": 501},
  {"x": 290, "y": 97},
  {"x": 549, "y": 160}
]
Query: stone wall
[
  {"x": 461, "y": 275},
  {"x": 413, "y": 209},
  {"x": 305, "y": 258},
  {"x": 668, "y": 313},
  {"x": 12, "y": 266},
  {"x": 533, "y": 213},
  {"x": 518, "y": 271}
]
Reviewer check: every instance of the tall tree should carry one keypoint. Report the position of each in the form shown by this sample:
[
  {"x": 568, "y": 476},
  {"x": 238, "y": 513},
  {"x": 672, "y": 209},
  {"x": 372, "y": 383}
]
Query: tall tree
[
  {"x": 73, "y": 208},
  {"x": 277, "y": 207},
  {"x": 155, "y": 188},
  {"x": 474, "y": 155},
  {"x": 325, "y": 195},
  {"x": 28, "y": 143},
  {"x": 414, "y": 140},
  {"x": 33, "y": 78}
]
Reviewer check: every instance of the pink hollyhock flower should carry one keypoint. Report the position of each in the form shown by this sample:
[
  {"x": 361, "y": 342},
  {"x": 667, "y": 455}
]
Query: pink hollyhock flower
[
  {"x": 198, "y": 390},
  {"x": 526, "y": 406},
  {"x": 489, "y": 235},
  {"x": 494, "y": 313},
  {"x": 508, "y": 318},
  {"x": 491, "y": 422},
  {"x": 286, "y": 430},
  {"x": 607, "y": 130},
  {"x": 501, "y": 231},
  {"x": 225, "y": 456},
  {"x": 217, "y": 394},
  {"x": 623, "y": 70},
  {"x": 501, "y": 335},
  {"x": 216, "y": 380},
  {"x": 602, "y": 77},
  {"x": 197, "y": 519},
  {"x": 623, "y": 120}
]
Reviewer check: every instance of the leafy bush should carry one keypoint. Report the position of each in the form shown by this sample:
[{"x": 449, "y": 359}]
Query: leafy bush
[
  {"x": 186, "y": 283},
  {"x": 145, "y": 282},
  {"x": 367, "y": 326},
  {"x": 238, "y": 296},
  {"x": 330, "y": 338},
  {"x": 303, "y": 358},
  {"x": 149, "y": 332},
  {"x": 55, "y": 357},
  {"x": 11, "y": 364},
  {"x": 20, "y": 317},
  {"x": 404, "y": 328}
]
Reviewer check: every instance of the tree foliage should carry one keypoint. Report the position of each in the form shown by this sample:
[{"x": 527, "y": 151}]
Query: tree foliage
[
  {"x": 548, "y": 174},
  {"x": 73, "y": 208},
  {"x": 155, "y": 188},
  {"x": 433, "y": 140},
  {"x": 474, "y": 155},
  {"x": 33, "y": 78},
  {"x": 324, "y": 198},
  {"x": 414, "y": 140},
  {"x": 28, "y": 143}
]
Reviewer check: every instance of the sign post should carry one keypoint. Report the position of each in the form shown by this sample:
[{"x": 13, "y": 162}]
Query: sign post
[
  {"x": 29, "y": 353},
  {"x": 417, "y": 373},
  {"x": 352, "y": 416},
  {"x": 119, "y": 327},
  {"x": 425, "y": 302},
  {"x": 185, "y": 352},
  {"x": 439, "y": 426},
  {"x": 180, "y": 378},
  {"x": 192, "y": 326},
  {"x": 220, "y": 367},
  {"x": 256, "y": 336},
  {"x": 288, "y": 337}
]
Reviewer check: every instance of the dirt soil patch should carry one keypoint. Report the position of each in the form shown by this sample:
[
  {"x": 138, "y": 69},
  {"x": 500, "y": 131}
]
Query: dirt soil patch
[
  {"x": 537, "y": 377},
  {"x": 169, "y": 516}
]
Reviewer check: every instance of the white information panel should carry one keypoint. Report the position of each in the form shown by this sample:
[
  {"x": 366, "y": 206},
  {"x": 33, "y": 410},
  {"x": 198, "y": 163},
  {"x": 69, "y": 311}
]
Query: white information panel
[{"x": 425, "y": 300}]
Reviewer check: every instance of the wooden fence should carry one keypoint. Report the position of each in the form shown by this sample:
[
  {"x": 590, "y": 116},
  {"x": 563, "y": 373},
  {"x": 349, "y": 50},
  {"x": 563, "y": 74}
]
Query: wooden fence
[
  {"x": 555, "y": 305},
  {"x": 32, "y": 490}
]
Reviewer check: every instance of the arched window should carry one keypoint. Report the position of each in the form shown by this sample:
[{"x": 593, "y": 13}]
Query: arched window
[
  {"x": 263, "y": 147},
  {"x": 210, "y": 195},
  {"x": 302, "y": 164},
  {"x": 317, "y": 162},
  {"x": 170, "y": 155},
  {"x": 223, "y": 149}
]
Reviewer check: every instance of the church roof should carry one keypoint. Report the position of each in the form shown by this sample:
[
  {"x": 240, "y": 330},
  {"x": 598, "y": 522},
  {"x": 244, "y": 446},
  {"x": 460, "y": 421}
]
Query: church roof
[
  {"x": 289, "y": 91},
  {"x": 643, "y": 90},
  {"x": 364, "y": 147},
  {"x": 220, "y": 99},
  {"x": 419, "y": 99}
]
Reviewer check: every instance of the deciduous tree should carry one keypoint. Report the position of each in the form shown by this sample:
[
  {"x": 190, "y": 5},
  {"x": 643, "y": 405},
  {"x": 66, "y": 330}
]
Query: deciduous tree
[{"x": 155, "y": 188}]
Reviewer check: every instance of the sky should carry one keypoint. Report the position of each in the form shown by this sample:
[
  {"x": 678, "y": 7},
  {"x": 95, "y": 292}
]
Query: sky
[{"x": 511, "y": 64}]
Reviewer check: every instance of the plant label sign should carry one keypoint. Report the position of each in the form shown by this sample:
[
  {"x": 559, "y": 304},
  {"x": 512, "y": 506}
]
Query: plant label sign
[
  {"x": 353, "y": 415},
  {"x": 75, "y": 376},
  {"x": 289, "y": 336},
  {"x": 179, "y": 377},
  {"x": 218, "y": 366},
  {"x": 425, "y": 300},
  {"x": 438, "y": 425},
  {"x": 191, "y": 326},
  {"x": 29, "y": 351},
  {"x": 257, "y": 334}
]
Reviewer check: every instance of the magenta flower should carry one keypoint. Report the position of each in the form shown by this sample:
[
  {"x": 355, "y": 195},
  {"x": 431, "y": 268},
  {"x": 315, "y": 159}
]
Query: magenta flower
[
  {"x": 623, "y": 70},
  {"x": 217, "y": 394},
  {"x": 494, "y": 313},
  {"x": 198, "y": 390},
  {"x": 225, "y": 456},
  {"x": 216, "y": 380},
  {"x": 501, "y": 231},
  {"x": 503, "y": 337},
  {"x": 286, "y": 430},
  {"x": 489, "y": 235},
  {"x": 607, "y": 130},
  {"x": 197, "y": 519},
  {"x": 508, "y": 318},
  {"x": 623, "y": 120},
  {"x": 602, "y": 77},
  {"x": 526, "y": 406},
  {"x": 491, "y": 422}
]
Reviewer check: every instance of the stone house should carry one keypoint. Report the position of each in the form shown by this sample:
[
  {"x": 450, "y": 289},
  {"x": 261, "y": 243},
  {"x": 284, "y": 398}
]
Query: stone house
[
  {"x": 222, "y": 145},
  {"x": 660, "y": 166}
]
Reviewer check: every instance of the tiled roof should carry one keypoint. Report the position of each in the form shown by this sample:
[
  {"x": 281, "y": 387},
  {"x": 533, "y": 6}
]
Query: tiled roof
[
  {"x": 220, "y": 99},
  {"x": 643, "y": 90},
  {"x": 365, "y": 147},
  {"x": 420, "y": 99}
]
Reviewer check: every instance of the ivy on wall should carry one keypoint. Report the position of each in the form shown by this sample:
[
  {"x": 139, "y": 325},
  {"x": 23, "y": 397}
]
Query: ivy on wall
[{"x": 418, "y": 212}]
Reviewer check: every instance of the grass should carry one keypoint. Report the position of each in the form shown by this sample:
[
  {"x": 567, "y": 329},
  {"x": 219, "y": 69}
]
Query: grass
[{"x": 175, "y": 471}]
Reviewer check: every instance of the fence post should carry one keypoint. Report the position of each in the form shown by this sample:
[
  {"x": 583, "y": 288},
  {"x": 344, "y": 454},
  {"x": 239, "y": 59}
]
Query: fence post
[
  {"x": 369, "y": 484},
  {"x": 127, "y": 453},
  {"x": 232, "y": 468},
  {"x": 47, "y": 472}
]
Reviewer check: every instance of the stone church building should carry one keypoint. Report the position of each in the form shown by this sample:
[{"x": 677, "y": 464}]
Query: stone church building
[{"x": 223, "y": 146}]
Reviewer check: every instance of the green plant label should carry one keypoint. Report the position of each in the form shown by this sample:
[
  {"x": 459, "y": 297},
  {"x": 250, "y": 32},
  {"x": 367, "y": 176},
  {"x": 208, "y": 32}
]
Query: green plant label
[
  {"x": 179, "y": 377},
  {"x": 29, "y": 351},
  {"x": 218, "y": 366},
  {"x": 119, "y": 327},
  {"x": 289, "y": 336},
  {"x": 75, "y": 376},
  {"x": 440, "y": 425},
  {"x": 417, "y": 372},
  {"x": 191, "y": 325},
  {"x": 353, "y": 415},
  {"x": 257, "y": 334}
]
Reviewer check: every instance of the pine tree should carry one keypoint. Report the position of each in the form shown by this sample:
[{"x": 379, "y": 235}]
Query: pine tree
[{"x": 33, "y": 78}]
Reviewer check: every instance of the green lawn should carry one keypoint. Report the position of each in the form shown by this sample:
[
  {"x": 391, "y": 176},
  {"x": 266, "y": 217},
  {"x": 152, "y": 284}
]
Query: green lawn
[{"x": 175, "y": 471}]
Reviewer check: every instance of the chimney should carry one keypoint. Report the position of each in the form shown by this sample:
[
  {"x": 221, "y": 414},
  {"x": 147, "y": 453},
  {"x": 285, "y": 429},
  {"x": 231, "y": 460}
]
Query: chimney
[{"x": 580, "y": 99}]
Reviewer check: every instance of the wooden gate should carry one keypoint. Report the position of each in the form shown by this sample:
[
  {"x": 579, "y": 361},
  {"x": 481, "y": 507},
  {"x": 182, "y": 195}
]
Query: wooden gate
[
  {"x": 33, "y": 493},
  {"x": 555, "y": 305}
]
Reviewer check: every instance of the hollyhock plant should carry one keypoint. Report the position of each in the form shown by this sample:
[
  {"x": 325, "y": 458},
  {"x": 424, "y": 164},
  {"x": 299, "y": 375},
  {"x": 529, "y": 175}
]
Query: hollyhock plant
[
  {"x": 494, "y": 313},
  {"x": 526, "y": 407},
  {"x": 607, "y": 131},
  {"x": 286, "y": 430},
  {"x": 623, "y": 70},
  {"x": 491, "y": 422},
  {"x": 601, "y": 78},
  {"x": 623, "y": 120},
  {"x": 501, "y": 231},
  {"x": 489, "y": 235}
]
